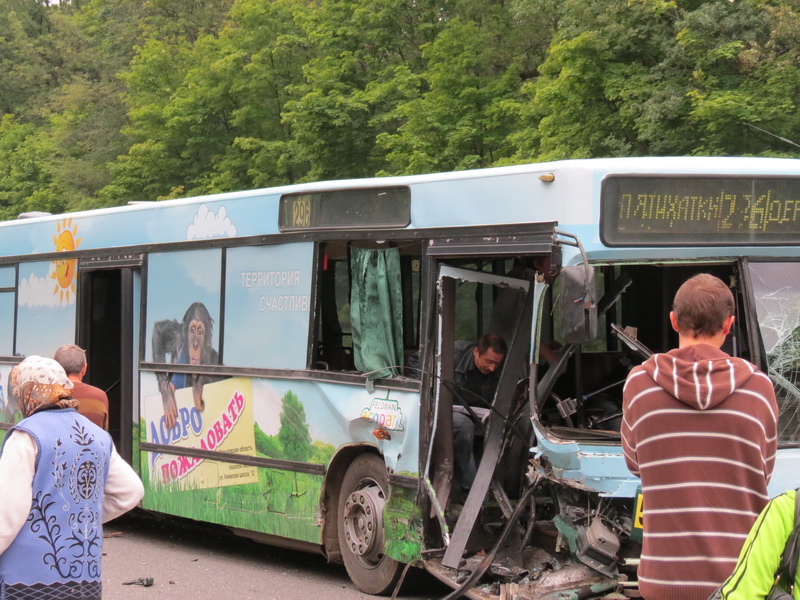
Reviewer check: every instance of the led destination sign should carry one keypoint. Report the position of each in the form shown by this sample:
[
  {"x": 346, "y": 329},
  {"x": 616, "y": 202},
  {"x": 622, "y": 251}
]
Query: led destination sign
[
  {"x": 346, "y": 209},
  {"x": 638, "y": 210}
]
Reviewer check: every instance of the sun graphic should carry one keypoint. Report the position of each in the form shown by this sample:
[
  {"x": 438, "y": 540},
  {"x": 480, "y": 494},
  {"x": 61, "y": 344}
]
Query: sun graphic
[{"x": 63, "y": 271}]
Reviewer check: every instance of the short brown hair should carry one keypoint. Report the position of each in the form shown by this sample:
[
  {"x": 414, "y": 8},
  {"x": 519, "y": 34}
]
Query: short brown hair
[
  {"x": 493, "y": 341},
  {"x": 702, "y": 304}
]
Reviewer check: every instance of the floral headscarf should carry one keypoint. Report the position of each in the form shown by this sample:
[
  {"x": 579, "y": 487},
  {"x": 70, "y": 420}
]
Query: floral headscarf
[{"x": 40, "y": 383}]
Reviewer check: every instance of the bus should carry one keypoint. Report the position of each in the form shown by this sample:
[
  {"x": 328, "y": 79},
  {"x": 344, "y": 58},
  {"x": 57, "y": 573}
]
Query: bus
[{"x": 281, "y": 361}]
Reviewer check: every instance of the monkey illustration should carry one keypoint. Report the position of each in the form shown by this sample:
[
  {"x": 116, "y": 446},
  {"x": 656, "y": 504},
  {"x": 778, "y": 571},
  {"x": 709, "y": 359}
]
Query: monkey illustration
[{"x": 186, "y": 343}]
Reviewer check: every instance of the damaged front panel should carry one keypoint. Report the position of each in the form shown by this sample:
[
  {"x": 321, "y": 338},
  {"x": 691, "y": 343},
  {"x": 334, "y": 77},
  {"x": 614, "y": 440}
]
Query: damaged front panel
[
  {"x": 579, "y": 532},
  {"x": 541, "y": 523}
]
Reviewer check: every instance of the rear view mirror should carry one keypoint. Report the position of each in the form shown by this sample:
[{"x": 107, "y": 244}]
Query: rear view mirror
[{"x": 578, "y": 305}]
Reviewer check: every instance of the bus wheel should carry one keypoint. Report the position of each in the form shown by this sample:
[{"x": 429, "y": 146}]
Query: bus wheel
[{"x": 361, "y": 501}]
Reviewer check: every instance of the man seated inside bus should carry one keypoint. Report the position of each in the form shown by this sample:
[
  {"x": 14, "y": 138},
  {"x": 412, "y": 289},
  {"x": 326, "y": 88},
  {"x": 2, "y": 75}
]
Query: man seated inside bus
[{"x": 477, "y": 373}]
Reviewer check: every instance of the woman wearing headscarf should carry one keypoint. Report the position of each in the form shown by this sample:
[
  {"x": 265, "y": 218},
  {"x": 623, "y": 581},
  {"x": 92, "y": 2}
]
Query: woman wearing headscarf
[{"x": 60, "y": 479}]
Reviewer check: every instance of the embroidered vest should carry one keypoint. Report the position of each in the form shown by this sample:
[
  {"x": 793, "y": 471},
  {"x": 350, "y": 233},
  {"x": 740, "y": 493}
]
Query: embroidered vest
[{"x": 57, "y": 553}]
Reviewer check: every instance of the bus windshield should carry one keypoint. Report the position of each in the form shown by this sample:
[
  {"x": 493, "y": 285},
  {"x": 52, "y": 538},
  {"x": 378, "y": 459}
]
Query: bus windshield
[{"x": 776, "y": 289}]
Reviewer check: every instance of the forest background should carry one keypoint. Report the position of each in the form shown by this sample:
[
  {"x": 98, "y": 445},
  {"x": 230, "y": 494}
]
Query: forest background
[{"x": 103, "y": 102}]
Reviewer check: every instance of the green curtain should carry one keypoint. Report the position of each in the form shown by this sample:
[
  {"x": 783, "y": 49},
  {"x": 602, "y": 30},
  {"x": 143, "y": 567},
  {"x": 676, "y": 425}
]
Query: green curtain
[{"x": 376, "y": 310}]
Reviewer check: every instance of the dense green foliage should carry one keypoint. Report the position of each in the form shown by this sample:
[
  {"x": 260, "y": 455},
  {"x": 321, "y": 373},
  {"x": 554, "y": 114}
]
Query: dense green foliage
[{"x": 107, "y": 101}]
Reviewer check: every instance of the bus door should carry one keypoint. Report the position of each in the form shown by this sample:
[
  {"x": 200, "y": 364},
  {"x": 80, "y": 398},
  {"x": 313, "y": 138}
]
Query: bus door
[
  {"x": 109, "y": 303},
  {"x": 506, "y": 416}
]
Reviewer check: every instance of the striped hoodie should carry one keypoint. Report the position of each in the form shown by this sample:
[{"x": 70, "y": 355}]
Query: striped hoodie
[{"x": 699, "y": 429}]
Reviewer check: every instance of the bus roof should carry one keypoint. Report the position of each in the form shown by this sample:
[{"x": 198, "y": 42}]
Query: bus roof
[{"x": 566, "y": 192}]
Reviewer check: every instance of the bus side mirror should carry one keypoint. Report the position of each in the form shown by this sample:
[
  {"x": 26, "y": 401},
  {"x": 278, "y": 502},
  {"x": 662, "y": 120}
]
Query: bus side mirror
[{"x": 578, "y": 305}]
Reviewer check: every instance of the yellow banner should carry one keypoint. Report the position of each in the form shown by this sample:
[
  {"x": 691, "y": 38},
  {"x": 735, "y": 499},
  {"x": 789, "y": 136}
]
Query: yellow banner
[{"x": 225, "y": 425}]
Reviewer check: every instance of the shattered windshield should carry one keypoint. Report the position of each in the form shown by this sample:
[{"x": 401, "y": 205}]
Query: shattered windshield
[{"x": 776, "y": 289}]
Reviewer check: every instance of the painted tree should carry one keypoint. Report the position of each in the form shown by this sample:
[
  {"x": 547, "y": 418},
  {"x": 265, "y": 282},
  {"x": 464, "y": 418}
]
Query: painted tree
[
  {"x": 294, "y": 436},
  {"x": 267, "y": 445}
]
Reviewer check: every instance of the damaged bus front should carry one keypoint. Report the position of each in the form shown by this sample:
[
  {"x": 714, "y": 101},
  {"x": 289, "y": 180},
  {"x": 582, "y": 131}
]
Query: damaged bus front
[{"x": 554, "y": 512}]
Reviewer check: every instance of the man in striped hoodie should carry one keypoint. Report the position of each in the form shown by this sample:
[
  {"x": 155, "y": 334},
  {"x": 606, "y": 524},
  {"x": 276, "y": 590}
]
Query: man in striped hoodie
[{"x": 699, "y": 429}]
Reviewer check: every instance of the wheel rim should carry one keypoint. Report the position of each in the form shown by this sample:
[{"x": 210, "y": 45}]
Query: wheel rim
[{"x": 363, "y": 525}]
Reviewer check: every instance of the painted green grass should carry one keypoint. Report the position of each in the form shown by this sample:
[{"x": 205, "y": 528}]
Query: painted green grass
[
  {"x": 403, "y": 523},
  {"x": 282, "y": 503}
]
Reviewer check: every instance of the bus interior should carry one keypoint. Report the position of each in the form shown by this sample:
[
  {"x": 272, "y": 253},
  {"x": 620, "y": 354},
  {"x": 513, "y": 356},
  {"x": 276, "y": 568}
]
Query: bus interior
[
  {"x": 335, "y": 345},
  {"x": 633, "y": 323}
]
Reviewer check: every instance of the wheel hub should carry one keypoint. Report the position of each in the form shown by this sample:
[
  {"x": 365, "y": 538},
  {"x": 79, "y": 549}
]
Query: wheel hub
[{"x": 363, "y": 523}]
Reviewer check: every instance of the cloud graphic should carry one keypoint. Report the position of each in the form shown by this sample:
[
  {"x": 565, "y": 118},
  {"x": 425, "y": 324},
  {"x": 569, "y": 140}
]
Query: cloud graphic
[
  {"x": 208, "y": 225},
  {"x": 197, "y": 270},
  {"x": 37, "y": 293}
]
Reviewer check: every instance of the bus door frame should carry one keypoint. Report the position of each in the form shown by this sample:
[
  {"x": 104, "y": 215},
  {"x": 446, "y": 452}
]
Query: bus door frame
[
  {"x": 539, "y": 239},
  {"x": 121, "y": 413}
]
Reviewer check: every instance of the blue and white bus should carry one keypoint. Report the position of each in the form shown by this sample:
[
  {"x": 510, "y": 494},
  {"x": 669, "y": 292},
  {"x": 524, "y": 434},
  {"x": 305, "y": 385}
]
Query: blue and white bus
[{"x": 281, "y": 361}]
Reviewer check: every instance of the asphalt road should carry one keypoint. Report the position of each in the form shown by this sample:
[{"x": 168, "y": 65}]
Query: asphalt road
[{"x": 188, "y": 561}]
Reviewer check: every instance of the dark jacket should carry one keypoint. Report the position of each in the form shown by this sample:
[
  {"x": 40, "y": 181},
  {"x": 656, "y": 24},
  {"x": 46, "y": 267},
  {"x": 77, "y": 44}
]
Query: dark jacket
[{"x": 476, "y": 389}]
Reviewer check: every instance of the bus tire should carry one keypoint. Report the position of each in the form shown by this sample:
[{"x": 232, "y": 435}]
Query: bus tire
[{"x": 361, "y": 499}]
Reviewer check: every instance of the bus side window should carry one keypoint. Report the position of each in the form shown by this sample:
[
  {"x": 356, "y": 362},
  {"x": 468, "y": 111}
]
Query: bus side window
[
  {"x": 335, "y": 348},
  {"x": 368, "y": 314}
]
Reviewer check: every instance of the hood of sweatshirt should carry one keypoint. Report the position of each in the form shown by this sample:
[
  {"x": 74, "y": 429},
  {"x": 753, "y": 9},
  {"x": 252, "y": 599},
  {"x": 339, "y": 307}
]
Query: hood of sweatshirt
[{"x": 700, "y": 375}]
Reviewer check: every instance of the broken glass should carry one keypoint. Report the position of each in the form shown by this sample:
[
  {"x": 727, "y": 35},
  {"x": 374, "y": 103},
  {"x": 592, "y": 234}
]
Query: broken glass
[{"x": 776, "y": 288}]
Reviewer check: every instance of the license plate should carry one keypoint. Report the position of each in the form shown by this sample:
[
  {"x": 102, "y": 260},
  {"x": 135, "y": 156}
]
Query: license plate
[{"x": 638, "y": 516}]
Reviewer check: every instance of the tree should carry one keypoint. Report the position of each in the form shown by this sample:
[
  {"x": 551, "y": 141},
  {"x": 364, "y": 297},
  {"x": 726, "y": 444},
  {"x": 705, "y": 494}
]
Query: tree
[
  {"x": 206, "y": 117},
  {"x": 461, "y": 121},
  {"x": 746, "y": 78},
  {"x": 599, "y": 74},
  {"x": 25, "y": 183},
  {"x": 27, "y": 60},
  {"x": 263, "y": 55},
  {"x": 149, "y": 168},
  {"x": 294, "y": 436},
  {"x": 117, "y": 100},
  {"x": 466, "y": 110},
  {"x": 365, "y": 54}
]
